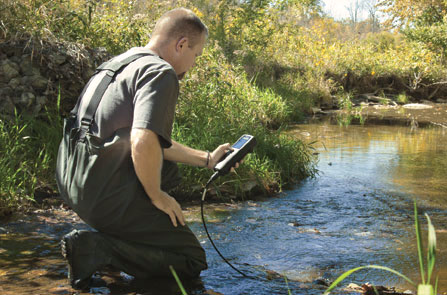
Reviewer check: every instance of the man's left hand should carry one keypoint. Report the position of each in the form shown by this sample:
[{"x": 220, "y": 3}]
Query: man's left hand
[{"x": 218, "y": 153}]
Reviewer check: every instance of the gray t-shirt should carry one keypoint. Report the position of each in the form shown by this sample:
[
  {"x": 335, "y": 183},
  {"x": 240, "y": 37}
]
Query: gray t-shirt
[{"x": 142, "y": 95}]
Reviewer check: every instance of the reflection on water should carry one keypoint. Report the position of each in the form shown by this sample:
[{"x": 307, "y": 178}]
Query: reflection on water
[
  {"x": 417, "y": 157},
  {"x": 358, "y": 211}
]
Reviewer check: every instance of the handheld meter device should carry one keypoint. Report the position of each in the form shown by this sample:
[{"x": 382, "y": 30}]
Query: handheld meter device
[{"x": 241, "y": 148}]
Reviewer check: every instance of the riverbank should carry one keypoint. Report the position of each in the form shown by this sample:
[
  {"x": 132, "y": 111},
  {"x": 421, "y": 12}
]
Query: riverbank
[{"x": 415, "y": 115}]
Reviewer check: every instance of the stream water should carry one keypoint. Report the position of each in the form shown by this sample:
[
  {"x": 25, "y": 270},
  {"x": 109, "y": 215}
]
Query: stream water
[{"x": 357, "y": 211}]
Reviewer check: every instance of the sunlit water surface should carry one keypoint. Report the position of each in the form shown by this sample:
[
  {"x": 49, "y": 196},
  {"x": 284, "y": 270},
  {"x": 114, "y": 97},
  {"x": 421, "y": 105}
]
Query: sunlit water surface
[{"x": 358, "y": 211}]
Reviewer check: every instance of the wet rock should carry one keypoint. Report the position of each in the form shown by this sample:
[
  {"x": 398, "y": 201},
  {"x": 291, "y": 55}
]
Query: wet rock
[
  {"x": 39, "y": 82},
  {"x": 294, "y": 224},
  {"x": 315, "y": 111},
  {"x": 6, "y": 91},
  {"x": 14, "y": 83},
  {"x": 306, "y": 134},
  {"x": 369, "y": 289},
  {"x": 354, "y": 287},
  {"x": 40, "y": 103},
  {"x": 271, "y": 274},
  {"x": 15, "y": 59},
  {"x": 322, "y": 282},
  {"x": 251, "y": 220},
  {"x": 100, "y": 290},
  {"x": 58, "y": 58},
  {"x": 126, "y": 277},
  {"x": 6, "y": 105},
  {"x": 25, "y": 100},
  {"x": 309, "y": 230},
  {"x": 8, "y": 70},
  {"x": 41, "y": 100},
  {"x": 25, "y": 80},
  {"x": 26, "y": 66},
  {"x": 417, "y": 106}
]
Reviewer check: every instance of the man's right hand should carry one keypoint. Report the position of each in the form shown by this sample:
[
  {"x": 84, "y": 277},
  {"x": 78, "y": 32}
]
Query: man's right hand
[{"x": 170, "y": 206}]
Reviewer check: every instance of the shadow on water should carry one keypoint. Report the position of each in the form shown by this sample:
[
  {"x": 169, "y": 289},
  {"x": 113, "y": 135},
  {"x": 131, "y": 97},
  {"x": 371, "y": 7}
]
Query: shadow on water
[{"x": 358, "y": 211}]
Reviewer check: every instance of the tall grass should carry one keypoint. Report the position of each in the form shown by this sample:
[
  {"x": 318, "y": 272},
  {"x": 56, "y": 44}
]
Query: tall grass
[{"x": 29, "y": 148}]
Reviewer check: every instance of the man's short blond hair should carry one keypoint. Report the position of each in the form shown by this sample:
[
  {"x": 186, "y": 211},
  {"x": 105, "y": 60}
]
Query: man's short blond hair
[{"x": 178, "y": 23}]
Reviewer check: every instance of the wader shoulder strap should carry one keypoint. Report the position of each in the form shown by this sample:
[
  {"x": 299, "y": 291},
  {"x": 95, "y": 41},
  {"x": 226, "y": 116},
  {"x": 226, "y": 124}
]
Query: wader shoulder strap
[{"x": 111, "y": 67}]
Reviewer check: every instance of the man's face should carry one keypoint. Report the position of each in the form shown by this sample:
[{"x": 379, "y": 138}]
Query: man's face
[{"x": 188, "y": 56}]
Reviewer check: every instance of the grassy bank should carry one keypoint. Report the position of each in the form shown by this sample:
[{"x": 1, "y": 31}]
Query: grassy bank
[{"x": 227, "y": 106}]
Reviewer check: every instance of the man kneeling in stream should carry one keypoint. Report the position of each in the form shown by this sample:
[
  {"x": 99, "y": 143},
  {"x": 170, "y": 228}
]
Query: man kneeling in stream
[{"x": 117, "y": 161}]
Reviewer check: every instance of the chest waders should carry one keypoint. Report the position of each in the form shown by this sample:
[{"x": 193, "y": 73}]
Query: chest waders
[{"x": 97, "y": 179}]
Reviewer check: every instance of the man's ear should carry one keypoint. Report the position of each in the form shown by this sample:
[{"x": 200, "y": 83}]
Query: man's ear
[{"x": 181, "y": 43}]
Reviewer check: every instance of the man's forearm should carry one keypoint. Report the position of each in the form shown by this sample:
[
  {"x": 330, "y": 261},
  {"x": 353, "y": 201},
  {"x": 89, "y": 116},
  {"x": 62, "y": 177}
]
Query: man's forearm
[
  {"x": 182, "y": 154},
  {"x": 147, "y": 160}
]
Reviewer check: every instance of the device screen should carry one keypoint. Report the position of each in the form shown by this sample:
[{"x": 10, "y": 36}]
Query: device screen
[{"x": 240, "y": 143}]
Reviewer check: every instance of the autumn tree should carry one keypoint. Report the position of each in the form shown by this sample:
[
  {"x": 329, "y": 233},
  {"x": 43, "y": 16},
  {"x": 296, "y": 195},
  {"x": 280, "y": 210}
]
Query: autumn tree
[
  {"x": 407, "y": 12},
  {"x": 424, "y": 21}
]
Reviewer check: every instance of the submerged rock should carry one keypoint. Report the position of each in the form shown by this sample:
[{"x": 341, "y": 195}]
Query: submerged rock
[
  {"x": 369, "y": 289},
  {"x": 417, "y": 106}
]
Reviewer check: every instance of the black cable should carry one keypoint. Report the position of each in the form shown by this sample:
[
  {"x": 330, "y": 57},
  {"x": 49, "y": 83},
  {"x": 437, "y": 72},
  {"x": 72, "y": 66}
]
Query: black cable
[{"x": 213, "y": 177}]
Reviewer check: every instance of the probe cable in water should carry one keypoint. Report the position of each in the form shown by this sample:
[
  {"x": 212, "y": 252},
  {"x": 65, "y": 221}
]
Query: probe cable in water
[{"x": 211, "y": 240}]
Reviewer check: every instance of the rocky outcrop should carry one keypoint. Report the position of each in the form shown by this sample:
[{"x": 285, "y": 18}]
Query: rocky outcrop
[{"x": 34, "y": 72}]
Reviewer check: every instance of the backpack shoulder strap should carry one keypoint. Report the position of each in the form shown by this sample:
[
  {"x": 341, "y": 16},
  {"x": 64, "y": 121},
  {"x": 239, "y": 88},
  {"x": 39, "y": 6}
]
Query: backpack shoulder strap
[{"x": 111, "y": 68}]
